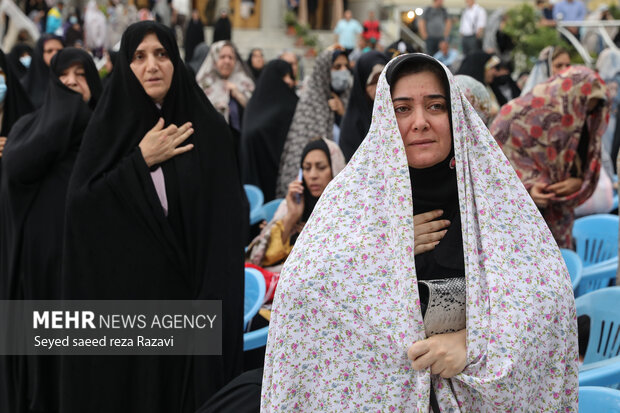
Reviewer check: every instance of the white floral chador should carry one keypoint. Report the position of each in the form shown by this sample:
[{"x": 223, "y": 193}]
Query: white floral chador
[{"x": 347, "y": 309}]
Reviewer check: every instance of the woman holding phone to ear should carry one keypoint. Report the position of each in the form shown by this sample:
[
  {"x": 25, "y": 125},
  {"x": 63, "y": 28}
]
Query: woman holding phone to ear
[{"x": 321, "y": 160}]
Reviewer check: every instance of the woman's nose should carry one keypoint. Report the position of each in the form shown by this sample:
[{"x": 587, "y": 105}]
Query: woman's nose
[{"x": 419, "y": 122}]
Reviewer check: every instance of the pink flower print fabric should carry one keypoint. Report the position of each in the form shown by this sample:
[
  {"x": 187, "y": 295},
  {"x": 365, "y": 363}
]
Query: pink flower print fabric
[{"x": 347, "y": 307}]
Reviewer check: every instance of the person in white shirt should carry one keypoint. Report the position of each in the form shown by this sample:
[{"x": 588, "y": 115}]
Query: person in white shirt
[{"x": 473, "y": 22}]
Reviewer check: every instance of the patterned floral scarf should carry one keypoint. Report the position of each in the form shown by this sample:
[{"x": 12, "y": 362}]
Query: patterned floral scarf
[
  {"x": 540, "y": 133},
  {"x": 215, "y": 87},
  {"x": 347, "y": 307},
  {"x": 313, "y": 119}
]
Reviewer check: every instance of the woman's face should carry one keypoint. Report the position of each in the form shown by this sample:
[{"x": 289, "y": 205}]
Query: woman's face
[
  {"x": 317, "y": 172},
  {"x": 226, "y": 60},
  {"x": 421, "y": 110},
  {"x": 153, "y": 67},
  {"x": 560, "y": 63},
  {"x": 74, "y": 77},
  {"x": 258, "y": 60},
  {"x": 50, "y": 48},
  {"x": 340, "y": 63}
]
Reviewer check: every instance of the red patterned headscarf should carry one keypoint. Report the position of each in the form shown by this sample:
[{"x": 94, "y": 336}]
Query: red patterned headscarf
[{"x": 540, "y": 134}]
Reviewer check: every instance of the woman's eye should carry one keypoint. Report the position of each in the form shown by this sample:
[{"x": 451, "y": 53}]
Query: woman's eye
[
  {"x": 437, "y": 107},
  {"x": 401, "y": 109}
]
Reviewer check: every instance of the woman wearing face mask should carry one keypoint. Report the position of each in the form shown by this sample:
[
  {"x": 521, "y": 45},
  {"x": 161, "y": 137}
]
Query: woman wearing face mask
[
  {"x": 37, "y": 79},
  {"x": 357, "y": 118},
  {"x": 20, "y": 58},
  {"x": 37, "y": 163},
  {"x": 267, "y": 119},
  {"x": 155, "y": 211},
  {"x": 482, "y": 66},
  {"x": 226, "y": 82},
  {"x": 14, "y": 102},
  {"x": 323, "y": 100}
]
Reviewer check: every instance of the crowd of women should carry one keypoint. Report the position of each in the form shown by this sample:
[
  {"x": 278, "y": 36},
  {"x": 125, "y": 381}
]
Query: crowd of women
[{"x": 397, "y": 177}]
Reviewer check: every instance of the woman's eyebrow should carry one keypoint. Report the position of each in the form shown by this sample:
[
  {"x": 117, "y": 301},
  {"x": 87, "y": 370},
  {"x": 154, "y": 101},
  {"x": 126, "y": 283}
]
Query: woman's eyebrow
[{"x": 437, "y": 96}]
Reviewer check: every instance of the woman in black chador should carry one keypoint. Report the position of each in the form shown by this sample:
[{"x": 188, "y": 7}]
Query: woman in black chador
[
  {"x": 36, "y": 166},
  {"x": 267, "y": 118},
  {"x": 155, "y": 211}
]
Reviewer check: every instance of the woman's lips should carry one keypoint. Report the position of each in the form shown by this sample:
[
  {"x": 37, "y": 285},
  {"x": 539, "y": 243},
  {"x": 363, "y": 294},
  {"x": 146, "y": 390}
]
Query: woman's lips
[{"x": 422, "y": 142}]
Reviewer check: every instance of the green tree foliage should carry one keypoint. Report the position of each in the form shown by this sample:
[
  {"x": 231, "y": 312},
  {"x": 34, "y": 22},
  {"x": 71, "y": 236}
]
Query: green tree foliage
[{"x": 529, "y": 37}]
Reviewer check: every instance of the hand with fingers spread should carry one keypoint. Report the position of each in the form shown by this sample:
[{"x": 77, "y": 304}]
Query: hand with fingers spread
[
  {"x": 428, "y": 230},
  {"x": 2, "y": 143},
  {"x": 161, "y": 144},
  {"x": 566, "y": 187},
  {"x": 445, "y": 354},
  {"x": 540, "y": 195}
]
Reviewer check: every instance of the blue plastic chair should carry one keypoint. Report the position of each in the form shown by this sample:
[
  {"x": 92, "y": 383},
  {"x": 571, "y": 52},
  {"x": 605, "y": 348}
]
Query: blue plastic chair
[
  {"x": 270, "y": 208},
  {"x": 601, "y": 366},
  {"x": 256, "y": 199},
  {"x": 598, "y": 400},
  {"x": 254, "y": 294},
  {"x": 596, "y": 238},
  {"x": 574, "y": 265},
  {"x": 255, "y": 339}
]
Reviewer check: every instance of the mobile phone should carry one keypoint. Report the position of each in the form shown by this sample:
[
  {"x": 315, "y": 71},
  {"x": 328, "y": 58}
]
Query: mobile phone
[{"x": 300, "y": 178}]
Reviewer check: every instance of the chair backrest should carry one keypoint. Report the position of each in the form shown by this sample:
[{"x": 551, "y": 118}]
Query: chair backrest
[
  {"x": 270, "y": 208},
  {"x": 602, "y": 308},
  {"x": 254, "y": 294},
  {"x": 596, "y": 237},
  {"x": 255, "y": 196},
  {"x": 574, "y": 265},
  {"x": 599, "y": 399}
]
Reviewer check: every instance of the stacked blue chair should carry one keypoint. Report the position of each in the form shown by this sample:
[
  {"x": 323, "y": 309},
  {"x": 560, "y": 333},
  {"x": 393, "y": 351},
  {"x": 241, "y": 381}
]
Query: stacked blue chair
[
  {"x": 256, "y": 199},
  {"x": 574, "y": 265},
  {"x": 596, "y": 237},
  {"x": 270, "y": 208},
  {"x": 601, "y": 365},
  {"x": 598, "y": 400},
  {"x": 254, "y": 296}
]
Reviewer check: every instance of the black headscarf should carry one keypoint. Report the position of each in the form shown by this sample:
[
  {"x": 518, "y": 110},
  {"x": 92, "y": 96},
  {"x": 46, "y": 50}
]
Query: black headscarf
[
  {"x": 310, "y": 200},
  {"x": 194, "y": 35},
  {"x": 255, "y": 72},
  {"x": 16, "y": 103},
  {"x": 266, "y": 121},
  {"x": 200, "y": 54},
  {"x": 222, "y": 29},
  {"x": 13, "y": 59},
  {"x": 436, "y": 187},
  {"x": 119, "y": 244},
  {"x": 37, "y": 79},
  {"x": 37, "y": 162},
  {"x": 474, "y": 65},
  {"x": 357, "y": 118}
]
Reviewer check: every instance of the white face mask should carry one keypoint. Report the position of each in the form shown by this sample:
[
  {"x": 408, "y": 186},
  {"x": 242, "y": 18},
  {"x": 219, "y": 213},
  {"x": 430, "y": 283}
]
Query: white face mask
[
  {"x": 25, "y": 60},
  {"x": 2, "y": 89},
  {"x": 340, "y": 80}
]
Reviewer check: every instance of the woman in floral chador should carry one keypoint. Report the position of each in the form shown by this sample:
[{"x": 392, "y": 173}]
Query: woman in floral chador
[
  {"x": 552, "y": 137},
  {"x": 428, "y": 194}
]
